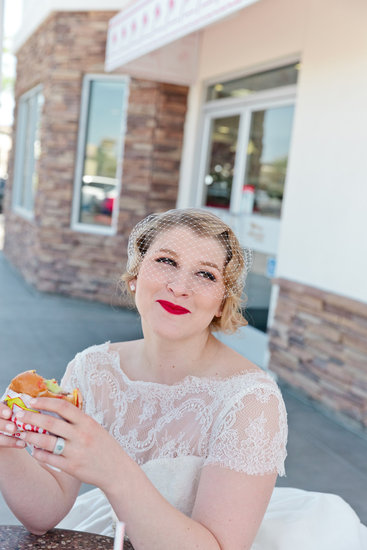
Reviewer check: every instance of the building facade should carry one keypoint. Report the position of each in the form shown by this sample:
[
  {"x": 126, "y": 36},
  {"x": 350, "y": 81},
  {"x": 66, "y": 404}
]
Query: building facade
[
  {"x": 67, "y": 219},
  {"x": 317, "y": 309},
  {"x": 257, "y": 114}
]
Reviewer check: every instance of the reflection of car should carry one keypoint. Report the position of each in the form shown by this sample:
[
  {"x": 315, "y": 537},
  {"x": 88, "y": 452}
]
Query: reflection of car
[
  {"x": 2, "y": 192},
  {"x": 98, "y": 194},
  {"x": 107, "y": 205},
  {"x": 219, "y": 193},
  {"x": 266, "y": 204}
]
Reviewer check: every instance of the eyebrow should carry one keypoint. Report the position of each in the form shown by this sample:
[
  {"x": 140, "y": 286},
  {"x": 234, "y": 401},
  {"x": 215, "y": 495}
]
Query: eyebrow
[
  {"x": 167, "y": 250},
  {"x": 202, "y": 262}
]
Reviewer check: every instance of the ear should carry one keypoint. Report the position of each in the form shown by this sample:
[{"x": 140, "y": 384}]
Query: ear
[
  {"x": 219, "y": 312},
  {"x": 220, "y": 309}
]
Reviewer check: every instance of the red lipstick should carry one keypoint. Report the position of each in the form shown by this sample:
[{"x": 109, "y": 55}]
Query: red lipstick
[{"x": 173, "y": 308}]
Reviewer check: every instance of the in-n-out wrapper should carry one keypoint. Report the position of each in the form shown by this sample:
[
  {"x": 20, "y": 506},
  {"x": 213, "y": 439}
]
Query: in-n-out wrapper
[{"x": 21, "y": 401}]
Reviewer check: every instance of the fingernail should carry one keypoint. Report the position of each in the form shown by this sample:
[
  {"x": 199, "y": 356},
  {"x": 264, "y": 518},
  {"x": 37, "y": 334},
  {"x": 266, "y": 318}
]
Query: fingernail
[
  {"x": 10, "y": 428},
  {"x": 20, "y": 414},
  {"x": 6, "y": 413},
  {"x": 32, "y": 401},
  {"x": 20, "y": 443}
]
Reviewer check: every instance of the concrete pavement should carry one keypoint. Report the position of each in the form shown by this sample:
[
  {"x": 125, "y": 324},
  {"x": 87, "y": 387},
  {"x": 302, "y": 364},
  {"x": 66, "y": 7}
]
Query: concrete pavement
[{"x": 45, "y": 331}]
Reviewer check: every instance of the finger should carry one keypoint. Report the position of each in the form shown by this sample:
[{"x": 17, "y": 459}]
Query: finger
[
  {"x": 11, "y": 442},
  {"x": 45, "y": 457},
  {"x": 8, "y": 426},
  {"x": 44, "y": 422},
  {"x": 59, "y": 406},
  {"x": 45, "y": 442},
  {"x": 5, "y": 411}
]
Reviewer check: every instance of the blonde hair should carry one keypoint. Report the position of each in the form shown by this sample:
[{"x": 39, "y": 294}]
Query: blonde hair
[{"x": 206, "y": 224}]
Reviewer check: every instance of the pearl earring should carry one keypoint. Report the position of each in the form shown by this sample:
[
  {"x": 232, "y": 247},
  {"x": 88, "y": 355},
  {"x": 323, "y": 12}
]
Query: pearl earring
[{"x": 132, "y": 287}]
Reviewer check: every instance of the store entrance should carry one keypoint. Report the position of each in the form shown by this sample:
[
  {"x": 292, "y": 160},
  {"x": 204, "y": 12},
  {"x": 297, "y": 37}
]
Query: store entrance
[{"x": 242, "y": 178}]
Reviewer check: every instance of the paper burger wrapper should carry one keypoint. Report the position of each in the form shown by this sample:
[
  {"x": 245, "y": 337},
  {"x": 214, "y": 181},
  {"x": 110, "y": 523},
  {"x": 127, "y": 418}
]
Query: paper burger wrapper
[{"x": 21, "y": 401}]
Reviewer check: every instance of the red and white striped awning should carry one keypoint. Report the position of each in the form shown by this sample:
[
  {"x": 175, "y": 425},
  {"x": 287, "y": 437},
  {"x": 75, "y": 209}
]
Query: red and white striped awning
[{"x": 147, "y": 25}]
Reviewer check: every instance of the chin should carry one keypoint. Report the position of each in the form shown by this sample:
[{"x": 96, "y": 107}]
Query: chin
[
  {"x": 178, "y": 332},
  {"x": 172, "y": 327},
  {"x": 171, "y": 333}
]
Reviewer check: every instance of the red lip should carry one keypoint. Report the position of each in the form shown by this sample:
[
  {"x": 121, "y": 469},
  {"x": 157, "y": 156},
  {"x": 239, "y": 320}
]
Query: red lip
[{"x": 172, "y": 308}]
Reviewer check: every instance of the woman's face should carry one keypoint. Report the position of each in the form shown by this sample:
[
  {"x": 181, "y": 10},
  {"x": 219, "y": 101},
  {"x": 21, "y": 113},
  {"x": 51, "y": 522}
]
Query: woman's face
[{"x": 180, "y": 286}]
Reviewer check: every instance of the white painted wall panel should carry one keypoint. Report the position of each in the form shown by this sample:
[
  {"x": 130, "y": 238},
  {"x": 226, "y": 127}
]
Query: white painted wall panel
[{"x": 323, "y": 234}]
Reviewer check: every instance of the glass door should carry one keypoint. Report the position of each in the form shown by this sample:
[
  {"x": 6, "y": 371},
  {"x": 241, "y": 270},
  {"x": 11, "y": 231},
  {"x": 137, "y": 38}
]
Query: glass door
[
  {"x": 242, "y": 176},
  {"x": 261, "y": 202},
  {"x": 266, "y": 160},
  {"x": 221, "y": 159}
]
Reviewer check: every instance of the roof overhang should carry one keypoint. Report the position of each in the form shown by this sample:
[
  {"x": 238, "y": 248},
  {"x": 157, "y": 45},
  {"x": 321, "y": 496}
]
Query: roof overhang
[{"x": 138, "y": 36}]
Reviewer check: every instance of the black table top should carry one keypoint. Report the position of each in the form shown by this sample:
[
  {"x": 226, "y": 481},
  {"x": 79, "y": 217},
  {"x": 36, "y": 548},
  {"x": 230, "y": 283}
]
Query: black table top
[{"x": 14, "y": 537}]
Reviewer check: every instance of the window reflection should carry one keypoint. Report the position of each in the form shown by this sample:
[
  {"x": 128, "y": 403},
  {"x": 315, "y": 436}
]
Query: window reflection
[
  {"x": 267, "y": 158},
  {"x": 219, "y": 176},
  {"x": 101, "y": 152},
  {"x": 258, "y": 290},
  {"x": 28, "y": 149},
  {"x": 247, "y": 85}
]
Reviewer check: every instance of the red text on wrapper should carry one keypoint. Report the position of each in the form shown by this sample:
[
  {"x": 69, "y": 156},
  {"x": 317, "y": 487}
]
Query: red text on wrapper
[
  {"x": 15, "y": 404},
  {"x": 26, "y": 427}
]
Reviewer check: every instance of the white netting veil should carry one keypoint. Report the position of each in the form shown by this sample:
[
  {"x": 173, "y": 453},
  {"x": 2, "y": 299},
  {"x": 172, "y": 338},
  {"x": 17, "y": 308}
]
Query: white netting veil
[{"x": 190, "y": 249}]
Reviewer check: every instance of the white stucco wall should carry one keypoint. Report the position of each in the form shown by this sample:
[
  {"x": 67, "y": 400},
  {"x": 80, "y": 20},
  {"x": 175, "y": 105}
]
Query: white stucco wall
[
  {"x": 323, "y": 235},
  {"x": 324, "y": 226}
]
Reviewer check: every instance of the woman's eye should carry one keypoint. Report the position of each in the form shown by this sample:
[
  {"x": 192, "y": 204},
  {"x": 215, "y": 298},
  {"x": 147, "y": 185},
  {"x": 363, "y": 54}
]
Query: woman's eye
[
  {"x": 207, "y": 275},
  {"x": 167, "y": 261}
]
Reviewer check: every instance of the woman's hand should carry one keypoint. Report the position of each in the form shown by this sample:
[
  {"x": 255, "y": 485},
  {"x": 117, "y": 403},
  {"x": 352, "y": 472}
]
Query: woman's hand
[
  {"x": 90, "y": 454},
  {"x": 9, "y": 427}
]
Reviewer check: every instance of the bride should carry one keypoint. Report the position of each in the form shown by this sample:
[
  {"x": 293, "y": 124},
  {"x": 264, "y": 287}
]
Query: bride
[{"x": 182, "y": 437}]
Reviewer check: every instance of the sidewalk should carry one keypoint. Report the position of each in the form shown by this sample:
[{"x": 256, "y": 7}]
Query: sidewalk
[{"x": 44, "y": 332}]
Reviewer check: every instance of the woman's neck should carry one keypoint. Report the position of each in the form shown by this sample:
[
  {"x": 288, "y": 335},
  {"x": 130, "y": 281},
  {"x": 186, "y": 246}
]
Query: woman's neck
[{"x": 168, "y": 362}]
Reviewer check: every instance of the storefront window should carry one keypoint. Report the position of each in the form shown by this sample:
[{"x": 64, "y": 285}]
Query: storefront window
[
  {"x": 247, "y": 85},
  {"x": 28, "y": 151},
  {"x": 100, "y": 150}
]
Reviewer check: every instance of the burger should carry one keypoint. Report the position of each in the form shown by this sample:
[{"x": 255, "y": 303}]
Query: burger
[
  {"x": 34, "y": 385},
  {"x": 27, "y": 385}
]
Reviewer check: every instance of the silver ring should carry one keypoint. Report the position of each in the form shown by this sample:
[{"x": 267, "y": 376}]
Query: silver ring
[{"x": 59, "y": 446}]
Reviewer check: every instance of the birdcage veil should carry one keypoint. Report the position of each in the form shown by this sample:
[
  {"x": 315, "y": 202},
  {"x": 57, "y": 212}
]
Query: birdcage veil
[{"x": 191, "y": 230}]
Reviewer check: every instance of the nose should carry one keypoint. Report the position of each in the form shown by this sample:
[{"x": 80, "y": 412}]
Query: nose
[{"x": 180, "y": 284}]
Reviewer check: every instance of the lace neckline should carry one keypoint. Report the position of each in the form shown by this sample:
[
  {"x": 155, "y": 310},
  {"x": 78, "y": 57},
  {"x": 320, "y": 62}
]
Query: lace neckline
[{"x": 186, "y": 381}]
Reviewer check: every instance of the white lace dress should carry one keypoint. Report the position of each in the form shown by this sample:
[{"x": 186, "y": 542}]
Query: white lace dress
[{"x": 173, "y": 431}]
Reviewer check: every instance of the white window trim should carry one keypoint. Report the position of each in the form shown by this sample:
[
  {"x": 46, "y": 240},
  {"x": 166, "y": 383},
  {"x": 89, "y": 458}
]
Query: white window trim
[
  {"x": 75, "y": 224},
  {"x": 19, "y": 153}
]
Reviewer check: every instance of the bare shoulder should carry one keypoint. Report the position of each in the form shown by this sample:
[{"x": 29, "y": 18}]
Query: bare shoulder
[{"x": 229, "y": 362}]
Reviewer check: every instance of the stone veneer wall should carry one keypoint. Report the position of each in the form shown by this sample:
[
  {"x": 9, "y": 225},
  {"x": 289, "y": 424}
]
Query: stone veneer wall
[
  {"x": 49, "y": 254},
  {"x": 318, "y": 344}
]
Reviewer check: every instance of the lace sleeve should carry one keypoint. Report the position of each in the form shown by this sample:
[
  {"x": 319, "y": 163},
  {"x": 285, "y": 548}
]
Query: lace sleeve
[
  {"x": 76, "y": 376},
  {"x": 68, "y": 381},
  {"x": 250, "y": 434}
]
